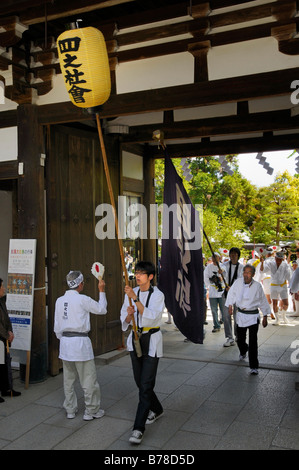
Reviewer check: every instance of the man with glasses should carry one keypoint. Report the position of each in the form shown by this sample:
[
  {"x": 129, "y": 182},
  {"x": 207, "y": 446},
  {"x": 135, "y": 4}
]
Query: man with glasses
[{"x": 147, "y": 308}]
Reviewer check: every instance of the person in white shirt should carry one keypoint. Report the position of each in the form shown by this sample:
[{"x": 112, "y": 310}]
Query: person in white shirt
[
  {"x": 213, "y": 279},
  {"x": 265, "y": 279},
  {"x": 248, "y": 295},
  {"x": 147, "y": 309},
  {"x": 280, "y": 273},
  {"x": 71, "y": 326},
  {"x": 294, "y": 290}
]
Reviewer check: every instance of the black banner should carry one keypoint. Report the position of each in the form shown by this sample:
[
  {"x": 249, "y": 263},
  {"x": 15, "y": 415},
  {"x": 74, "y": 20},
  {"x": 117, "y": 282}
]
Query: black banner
[{"x": 181, "y": 265}]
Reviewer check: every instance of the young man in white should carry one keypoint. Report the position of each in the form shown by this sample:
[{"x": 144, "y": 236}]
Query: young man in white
[
  {"x": 71, "y": 326},
  {"x": 248, "y": 295},
  {"x": 147, "y": 309},
  {"x": 280, "y": 273}
]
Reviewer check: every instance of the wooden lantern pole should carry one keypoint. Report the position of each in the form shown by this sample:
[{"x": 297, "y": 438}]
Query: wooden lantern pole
[
  {"x": 111, "y": 195},
  {"x": 97, "y": 76}
]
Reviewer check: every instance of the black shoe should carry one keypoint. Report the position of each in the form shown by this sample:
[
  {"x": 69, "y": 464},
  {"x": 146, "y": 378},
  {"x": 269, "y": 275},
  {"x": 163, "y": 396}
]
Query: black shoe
[
  {"x": 152, "y": 417},
  {"x": 1, "y": 400},
  {"x": 10, "y": 393}
]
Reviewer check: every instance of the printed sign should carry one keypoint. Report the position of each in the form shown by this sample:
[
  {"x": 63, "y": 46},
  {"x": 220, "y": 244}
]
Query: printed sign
[{"x": 20, "y": 290}]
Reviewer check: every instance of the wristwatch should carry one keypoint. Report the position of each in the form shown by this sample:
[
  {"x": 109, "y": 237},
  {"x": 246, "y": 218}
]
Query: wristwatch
[{"x": 137, "y": 299}]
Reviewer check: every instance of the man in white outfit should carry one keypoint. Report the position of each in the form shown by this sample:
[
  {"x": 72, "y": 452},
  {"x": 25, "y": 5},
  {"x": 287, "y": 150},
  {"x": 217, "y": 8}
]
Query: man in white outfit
[
  {"x": 71, "y": 326},
  {"x": 248, "y": 295},
  {"x": 280, "y": 273},
  {"x": 146, "y": 309}
]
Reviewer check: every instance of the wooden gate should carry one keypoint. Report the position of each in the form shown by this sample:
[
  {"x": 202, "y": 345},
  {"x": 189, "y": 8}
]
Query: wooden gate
[{"x": 76, "y": 185}]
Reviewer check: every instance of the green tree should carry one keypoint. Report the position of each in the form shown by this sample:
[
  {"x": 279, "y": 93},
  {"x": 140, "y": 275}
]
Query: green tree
[
  {"x": 278, "y": 210},
  {"x": 234, "y": 208}
]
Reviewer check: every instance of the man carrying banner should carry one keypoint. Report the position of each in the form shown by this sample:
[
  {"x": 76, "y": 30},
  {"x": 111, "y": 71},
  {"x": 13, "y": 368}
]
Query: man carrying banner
[{"x": 147, "y": 310}]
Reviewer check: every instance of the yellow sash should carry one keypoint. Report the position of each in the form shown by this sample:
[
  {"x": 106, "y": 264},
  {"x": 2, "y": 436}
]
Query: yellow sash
[{"x": 281, "y": 285}]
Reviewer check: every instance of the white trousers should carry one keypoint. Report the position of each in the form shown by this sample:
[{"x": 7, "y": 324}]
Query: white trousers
[{"x": 86, "y": 372}]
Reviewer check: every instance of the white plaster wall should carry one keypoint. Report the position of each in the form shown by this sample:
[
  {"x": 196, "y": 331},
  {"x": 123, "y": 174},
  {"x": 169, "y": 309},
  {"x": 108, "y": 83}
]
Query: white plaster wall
[
  {"x": 159, "y": 72},
  {"x": 8, "y": 144},
  {"x": 132, "y": 165},
  {"x": 57, "y": 94},
  {"x": 245, "y": 58}
]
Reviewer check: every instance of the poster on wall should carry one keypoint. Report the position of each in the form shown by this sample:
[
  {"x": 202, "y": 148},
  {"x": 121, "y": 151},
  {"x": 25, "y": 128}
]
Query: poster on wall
[{"x": 20, "y": 290}]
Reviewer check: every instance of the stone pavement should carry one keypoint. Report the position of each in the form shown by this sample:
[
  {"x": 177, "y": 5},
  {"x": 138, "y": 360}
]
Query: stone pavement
[{"x": 210, "y": 401}]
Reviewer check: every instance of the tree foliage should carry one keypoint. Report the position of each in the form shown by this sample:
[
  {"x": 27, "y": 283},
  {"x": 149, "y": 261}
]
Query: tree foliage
[{"x": 235, "y": 210}]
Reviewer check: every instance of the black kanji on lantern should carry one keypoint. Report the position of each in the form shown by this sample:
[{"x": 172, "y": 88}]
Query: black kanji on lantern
[
  {"x": 77, "y": 93},
  {"x": 69, "y": 44},
  {"x": 72, "y": 78},
  {"x": 69, "y": 61}
]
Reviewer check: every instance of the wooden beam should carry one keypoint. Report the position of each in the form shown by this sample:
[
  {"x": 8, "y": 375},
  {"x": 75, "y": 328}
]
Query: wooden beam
[
  {"x": 67, "y": 8},
  {"x": 8, "y": 118},
  {"x": 228, "y": 90},
  {"x": 9, "y": 170},
  {"x": 216, "y": 39},
  {"x": 229, "y": 147},
  {"x": 211, "y": 127}
]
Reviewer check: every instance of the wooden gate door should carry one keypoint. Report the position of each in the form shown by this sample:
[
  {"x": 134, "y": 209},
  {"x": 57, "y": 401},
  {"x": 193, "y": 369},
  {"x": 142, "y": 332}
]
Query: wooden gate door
[{"x": 76, "y": 185}]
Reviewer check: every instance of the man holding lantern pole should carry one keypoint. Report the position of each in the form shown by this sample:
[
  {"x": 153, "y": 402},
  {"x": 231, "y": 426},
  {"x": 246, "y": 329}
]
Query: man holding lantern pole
[{"x": 147, "y": 311}]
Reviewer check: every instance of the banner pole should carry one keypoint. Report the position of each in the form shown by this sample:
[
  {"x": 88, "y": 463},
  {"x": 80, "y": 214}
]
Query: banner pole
[
  {"x": 111, "y": 195},
  {"x": 159, "y": 136}
]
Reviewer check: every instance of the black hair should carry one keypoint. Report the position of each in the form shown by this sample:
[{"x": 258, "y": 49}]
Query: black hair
[
  {"x": 235, "y": 250},
  {"x": 146, "y": 266},
  {"x": 1, "y": 282},
  {"x": 251, "y": 267}
]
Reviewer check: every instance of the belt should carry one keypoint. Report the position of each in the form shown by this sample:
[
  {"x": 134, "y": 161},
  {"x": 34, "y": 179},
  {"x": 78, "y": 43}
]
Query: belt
[
  {"x": 249, "y": 312},
  {"x": 71, "y": 334},
  {"x": 281, "y": 285},
  {"x": 148, "y": 328}
]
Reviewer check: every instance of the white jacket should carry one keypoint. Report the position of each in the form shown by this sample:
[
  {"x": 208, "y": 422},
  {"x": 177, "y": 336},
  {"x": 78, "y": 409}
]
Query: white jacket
[
  {"x": 151, "y": 318},
  {"x": 72, "y": 314},
  {"x": 209, "y": 271}
]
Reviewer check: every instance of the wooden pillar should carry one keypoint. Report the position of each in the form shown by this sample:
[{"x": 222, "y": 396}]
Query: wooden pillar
[
  {"x": 149, "y": 244},
  {"x": 200, "y": 53},
  {"x": 31, "y": 225}
]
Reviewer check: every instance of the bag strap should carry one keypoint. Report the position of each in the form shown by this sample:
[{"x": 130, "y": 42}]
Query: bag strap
[
  {"x": 150, "y": 291},
  {"x": 235, "y": 273}
]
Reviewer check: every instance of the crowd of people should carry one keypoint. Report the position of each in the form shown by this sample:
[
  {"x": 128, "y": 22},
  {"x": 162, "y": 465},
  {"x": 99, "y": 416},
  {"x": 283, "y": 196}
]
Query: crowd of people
[
  {"x": 237, "y": 292},
  {"x": 239, "y": 289}
]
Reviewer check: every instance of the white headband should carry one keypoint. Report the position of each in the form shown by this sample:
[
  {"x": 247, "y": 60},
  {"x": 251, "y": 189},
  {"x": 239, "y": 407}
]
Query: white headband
[{"x": 75, "y": 282}]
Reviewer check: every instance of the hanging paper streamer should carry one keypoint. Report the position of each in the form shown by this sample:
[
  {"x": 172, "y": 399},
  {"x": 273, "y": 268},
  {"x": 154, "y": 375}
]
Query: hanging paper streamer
[{"x": 84, "y": 64}]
